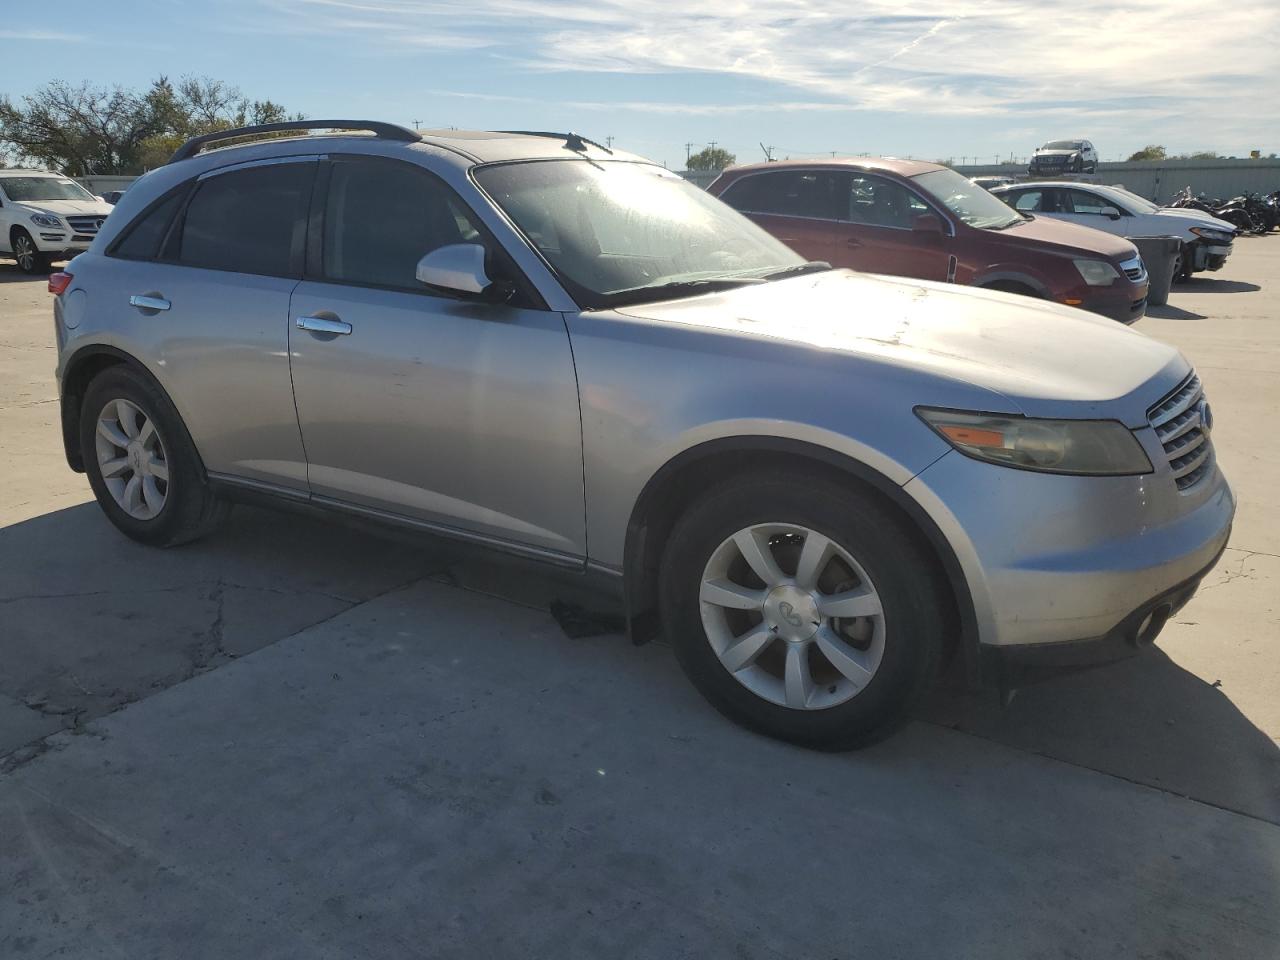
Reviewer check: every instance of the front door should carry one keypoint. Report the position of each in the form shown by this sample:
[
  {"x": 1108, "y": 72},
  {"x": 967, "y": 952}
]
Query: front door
[
  {"x": 460, "y": 414},
  {"x": 877, "y": 236}
]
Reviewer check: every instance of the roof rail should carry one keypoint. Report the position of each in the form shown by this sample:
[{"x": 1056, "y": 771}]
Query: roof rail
[
  {"x": 387, "y": 131},
  {"x": 572, "y": 141}
]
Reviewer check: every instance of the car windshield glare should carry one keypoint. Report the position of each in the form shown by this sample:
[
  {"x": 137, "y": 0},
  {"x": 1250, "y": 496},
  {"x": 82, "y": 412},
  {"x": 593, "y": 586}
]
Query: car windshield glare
[
  {"x": 25, "y": 189},
  {"x": 1062, "y": 145},
  {"x": 622, "y": 232},
  {"x": 968, "y": 201},
  {"x": 1124, "y": 198}
]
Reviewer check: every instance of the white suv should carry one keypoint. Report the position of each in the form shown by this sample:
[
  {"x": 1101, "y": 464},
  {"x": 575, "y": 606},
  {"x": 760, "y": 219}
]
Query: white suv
[{"x": 45, "y": 217}]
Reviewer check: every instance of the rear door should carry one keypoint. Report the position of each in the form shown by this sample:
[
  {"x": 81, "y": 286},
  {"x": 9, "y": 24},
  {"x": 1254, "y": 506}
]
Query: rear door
[
  {"x": 799, "y": 207},
  {"x": 876, "y": 231},
  {"x": 198, "y": 286},
  {"x": 460, "y": 414}
]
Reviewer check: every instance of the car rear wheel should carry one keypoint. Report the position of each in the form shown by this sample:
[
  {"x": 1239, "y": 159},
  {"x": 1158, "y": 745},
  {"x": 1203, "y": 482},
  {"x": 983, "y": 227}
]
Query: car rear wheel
[
  {"x": 30, "y": 260},
  {"x": 802, "y": 609},
  {"x": 141, "y": 462}
]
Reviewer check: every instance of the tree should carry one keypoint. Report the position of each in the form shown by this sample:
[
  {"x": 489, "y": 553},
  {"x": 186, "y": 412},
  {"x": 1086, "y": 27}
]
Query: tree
[
  {"x": 83, "y": 129},
  {"x": 1152, "y": 151},
  {"x": 1200, "y": 155},
  {"x": 712, "y": 158}
]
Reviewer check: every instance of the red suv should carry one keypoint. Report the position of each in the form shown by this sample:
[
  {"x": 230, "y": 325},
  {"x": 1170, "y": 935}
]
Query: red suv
[{"x": 923, "y": 220}]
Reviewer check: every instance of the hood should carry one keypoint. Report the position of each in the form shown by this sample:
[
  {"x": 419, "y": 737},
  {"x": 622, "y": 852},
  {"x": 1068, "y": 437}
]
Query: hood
[
  {"x": 1198, "y": 218},
  {"x": 1047, "y": 360},
  {"x": 63, "y": 208},
  {"x": 1071, "y": 236}
]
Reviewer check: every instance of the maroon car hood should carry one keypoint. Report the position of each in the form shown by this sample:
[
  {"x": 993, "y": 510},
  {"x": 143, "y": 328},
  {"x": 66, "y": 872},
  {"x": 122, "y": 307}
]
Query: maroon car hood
[{"x": 1073, "y": 235}]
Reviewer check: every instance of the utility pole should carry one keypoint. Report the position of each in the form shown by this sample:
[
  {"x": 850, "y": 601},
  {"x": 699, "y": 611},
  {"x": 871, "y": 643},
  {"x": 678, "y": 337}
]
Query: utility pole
[
  {"x": 768, "y": 151},
  {"x": 688, "y": 151},
  {"x": 417, "y": 124},
  {"x": 608, "y": 142}
]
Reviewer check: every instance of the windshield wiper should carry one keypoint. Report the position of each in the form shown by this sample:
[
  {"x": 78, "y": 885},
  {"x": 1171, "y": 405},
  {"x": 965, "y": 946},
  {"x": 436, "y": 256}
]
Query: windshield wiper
[
  {"x": 663, "y": 291},
  {"x": 813, "y": 266}
]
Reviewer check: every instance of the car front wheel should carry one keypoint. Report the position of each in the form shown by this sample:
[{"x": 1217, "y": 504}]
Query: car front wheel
[
  {"x": 803, "y": 609},
  {"x": 30, "y": 260}
]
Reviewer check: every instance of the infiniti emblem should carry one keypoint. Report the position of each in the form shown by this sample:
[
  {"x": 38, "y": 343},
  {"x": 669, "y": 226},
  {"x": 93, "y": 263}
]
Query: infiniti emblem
[
  {"x": 789, "y": 614},
  {"x": 1206, "y": 416}
]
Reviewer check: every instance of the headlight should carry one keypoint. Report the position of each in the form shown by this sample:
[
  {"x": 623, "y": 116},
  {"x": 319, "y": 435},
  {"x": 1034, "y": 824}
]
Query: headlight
[
  {"x": 1096, "y": 273},
  {"x": 1217, "y": 236},
  {"x": 45, "y": 220},
  {"x": 1088, "y": 447}
]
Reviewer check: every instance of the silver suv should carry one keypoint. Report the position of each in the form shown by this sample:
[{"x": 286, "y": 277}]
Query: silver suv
[{"x": 816, "y": 483}]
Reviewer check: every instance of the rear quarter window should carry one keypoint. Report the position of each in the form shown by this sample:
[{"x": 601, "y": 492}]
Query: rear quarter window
[{"x": 141, "y": 239}]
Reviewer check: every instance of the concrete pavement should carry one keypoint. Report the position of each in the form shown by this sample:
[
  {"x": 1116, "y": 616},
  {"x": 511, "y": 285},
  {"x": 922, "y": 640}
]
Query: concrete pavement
[{"x": 298, "y": 739}]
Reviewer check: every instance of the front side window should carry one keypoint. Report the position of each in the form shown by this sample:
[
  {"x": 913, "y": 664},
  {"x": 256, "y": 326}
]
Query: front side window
[
  {"x": 619, "y": 232},
  {"x": 1092, "y": 203},
  {"x": 381, "y": 218},
  {"x": 248, "y": 221},
  {"x": 29, "y": 189},
  {"x": 877, "y": 202},
  {"x": 1028, "y": 201},
  {"x": 814, "y": 194}
]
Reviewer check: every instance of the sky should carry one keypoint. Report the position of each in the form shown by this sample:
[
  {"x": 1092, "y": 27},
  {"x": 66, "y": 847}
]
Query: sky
[{"x": 986, "y": 79}]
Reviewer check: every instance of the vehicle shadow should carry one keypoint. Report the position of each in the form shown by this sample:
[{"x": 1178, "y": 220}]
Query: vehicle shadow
[
  {"x": 1145, "y": 719},
  {"x": 1214, "y": 285},
  {"x": 1170, "y": 312},
  {"x": 93, "y": 621}
]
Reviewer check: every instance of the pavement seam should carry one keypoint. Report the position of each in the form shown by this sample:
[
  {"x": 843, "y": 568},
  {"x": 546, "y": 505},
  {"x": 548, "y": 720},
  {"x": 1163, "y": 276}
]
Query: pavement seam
[{"x": 1106, "y": 773}]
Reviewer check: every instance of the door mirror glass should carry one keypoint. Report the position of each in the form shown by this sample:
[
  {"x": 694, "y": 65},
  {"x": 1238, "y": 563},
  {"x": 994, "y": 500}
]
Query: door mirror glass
[
  {"x": 456, "y": 269},
  {"x": 926, "y": 223},
  {"x": 1110, "y": 212}
]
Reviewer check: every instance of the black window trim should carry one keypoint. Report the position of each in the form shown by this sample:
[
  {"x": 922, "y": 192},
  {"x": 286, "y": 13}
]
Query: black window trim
[
  {"x": 167, "y": 255},
  {"x": 113, "y": 249},
  {"x": 526, "y": 294}
]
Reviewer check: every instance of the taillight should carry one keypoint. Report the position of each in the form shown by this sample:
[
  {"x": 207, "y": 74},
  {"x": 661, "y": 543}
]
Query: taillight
[{"x": 58, "y": 282}]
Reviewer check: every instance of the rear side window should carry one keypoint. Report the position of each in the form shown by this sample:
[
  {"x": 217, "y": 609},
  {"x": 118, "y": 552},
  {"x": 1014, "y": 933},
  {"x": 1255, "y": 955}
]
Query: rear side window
[
  {"x": 142, "y": 238},
  {"x": 248, "y": 221},
  {"x": 815, "y": 194},
  {"x": 381, "y": 218}
]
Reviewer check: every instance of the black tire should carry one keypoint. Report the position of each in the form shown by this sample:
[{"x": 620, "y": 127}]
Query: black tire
[
  {"x": 1182, "y": 265},
  {"x": 889, "y": 551},
  {"x": 190, "y": 508},
  {"x": 1012, "y": 286},
  {"x": 29, "y": 259}
]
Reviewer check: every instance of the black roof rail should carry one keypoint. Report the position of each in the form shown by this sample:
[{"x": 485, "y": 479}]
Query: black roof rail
[
  {"x": 572, "y": 141},
  {"x": 387, "y": 131}
]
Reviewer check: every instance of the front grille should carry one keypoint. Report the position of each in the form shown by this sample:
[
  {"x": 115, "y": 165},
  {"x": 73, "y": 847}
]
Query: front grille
[
  {"x": 1180, "y": 424},
  {"x": 1134, "y": 269},
  {"x": 86, "y": 225},
  {"x": 1134, "y": 273}
]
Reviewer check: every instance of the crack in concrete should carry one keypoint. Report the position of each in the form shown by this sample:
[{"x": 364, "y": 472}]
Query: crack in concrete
[{"x": 195, "y": 584}]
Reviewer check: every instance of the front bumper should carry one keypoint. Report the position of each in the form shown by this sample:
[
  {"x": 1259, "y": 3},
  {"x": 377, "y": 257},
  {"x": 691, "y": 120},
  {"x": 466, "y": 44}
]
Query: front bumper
[
  {"x": 1013, "y": 666},
  {"x": 1211, "y": 256},
  {"x": 1124, "y": 300},
  {"x": 60, "y": 244},
  {"x": 1051, "y": 560}
]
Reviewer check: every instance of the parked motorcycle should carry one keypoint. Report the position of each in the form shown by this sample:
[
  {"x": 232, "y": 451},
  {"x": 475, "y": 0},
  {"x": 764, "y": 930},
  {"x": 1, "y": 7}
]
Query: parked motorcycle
[{"x": 1235, "y": 211}]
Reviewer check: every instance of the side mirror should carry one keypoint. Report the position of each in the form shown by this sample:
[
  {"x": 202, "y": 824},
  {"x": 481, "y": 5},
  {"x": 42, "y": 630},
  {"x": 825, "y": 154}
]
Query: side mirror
[
  {"x": 926, "y": 223},
  {"x": 458, "y": 270},
  {"x": 1110, "y": 212}
]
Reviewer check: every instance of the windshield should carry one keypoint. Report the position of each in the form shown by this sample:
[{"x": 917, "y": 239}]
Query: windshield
[
  {"x": 23, "y": 189},
  {"x": 1062, "y": 145},
  {"x": 967, "y": 200},
  {"x": 620, "y": 232}
]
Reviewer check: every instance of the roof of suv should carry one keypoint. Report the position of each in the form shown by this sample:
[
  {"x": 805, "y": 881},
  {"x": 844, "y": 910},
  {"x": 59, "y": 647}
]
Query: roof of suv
[{"x": 905, "y": 168}]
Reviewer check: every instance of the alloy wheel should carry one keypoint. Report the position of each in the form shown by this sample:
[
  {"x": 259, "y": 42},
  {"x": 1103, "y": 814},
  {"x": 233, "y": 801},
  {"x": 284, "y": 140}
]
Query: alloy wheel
[
  {"x": 792, "y": 616},
  {"x": 24, "y": 251},
  {"x": 131, "y": 457}
]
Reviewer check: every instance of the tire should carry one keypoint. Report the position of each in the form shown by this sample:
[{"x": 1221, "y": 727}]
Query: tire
[
  {"x": 1012, "y": 286},
  {"x": 901, "y": 645},
  {"x": 1182, "y": 266},
  {"x": 174, "y": 503},
  {"x": 30, "y": 260}
]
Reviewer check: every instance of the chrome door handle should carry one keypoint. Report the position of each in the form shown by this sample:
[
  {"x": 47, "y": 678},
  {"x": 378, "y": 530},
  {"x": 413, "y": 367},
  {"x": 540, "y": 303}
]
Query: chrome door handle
[
  {"x": 323, "y": 325},
  {"x": 148, "y": 302}
]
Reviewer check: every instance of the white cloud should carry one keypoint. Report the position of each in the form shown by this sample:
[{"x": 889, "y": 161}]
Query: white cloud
[
  {"x": 36, "y": 35},
  {"x": 1210, "y": 75}
]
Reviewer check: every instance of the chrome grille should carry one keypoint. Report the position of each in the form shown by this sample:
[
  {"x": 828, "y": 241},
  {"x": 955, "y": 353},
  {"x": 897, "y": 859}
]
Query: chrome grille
[
  {"x": 1180, "y": 424},
  {"x": 86, "y": 225}
]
